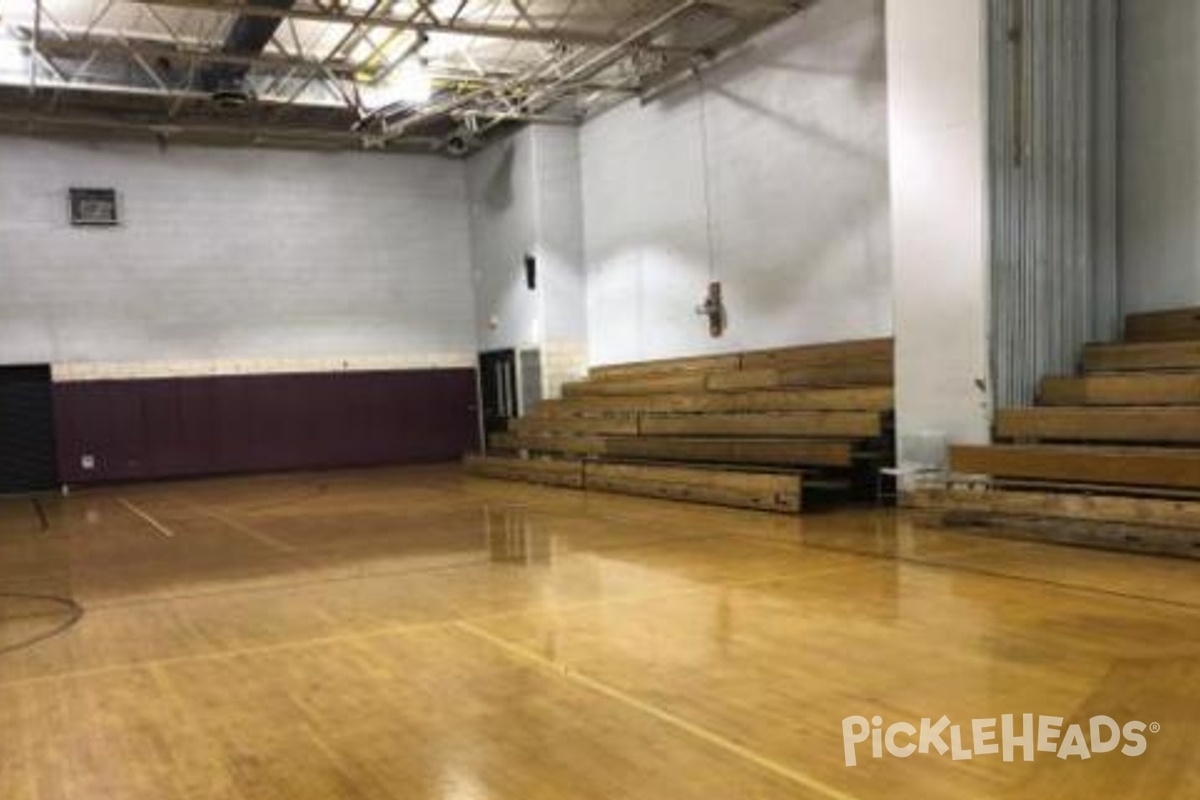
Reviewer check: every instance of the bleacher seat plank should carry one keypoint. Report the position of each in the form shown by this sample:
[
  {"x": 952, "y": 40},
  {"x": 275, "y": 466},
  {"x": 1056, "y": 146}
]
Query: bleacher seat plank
[
  {"x": 665, "y": 384},
  {"x": 1142, "y": 357},
  {"x": 821, "y": 355},
  {"x": 743, "y": 380},
  {"x": 849, "y": 373},
  {"x": 554, "y": 472},
  {"x": 858, "y": 398},
  {"x": 1164, "y": 326},
  {"x": 765, "y": 491},
  {"x": 569, "y": 426},
  {"x": 1160, "y": 512},
  {"x": 871, "y": 398},
  {"x": 775, "y": 452},
  {"x": 1168, "y": 468},
  {"x": 841, "y": 375},
  {"x": 1141, "y": 525},
  {"x": 555, "y": 445},
  {"x": 503, "y": 442},
  {"x": 804, "y": 424},
  {"x": 1176, "y": 425},
  {"x": 646, "y": 369},
  {"x": 1151, "y": 389}
]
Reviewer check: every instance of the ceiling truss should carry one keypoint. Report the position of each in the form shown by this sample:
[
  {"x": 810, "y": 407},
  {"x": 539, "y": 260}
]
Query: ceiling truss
[{"x": 324, "y": 76}]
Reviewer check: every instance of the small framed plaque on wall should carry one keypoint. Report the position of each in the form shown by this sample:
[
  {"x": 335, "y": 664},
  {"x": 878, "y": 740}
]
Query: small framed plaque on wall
[{"x": 94, "y": 207}]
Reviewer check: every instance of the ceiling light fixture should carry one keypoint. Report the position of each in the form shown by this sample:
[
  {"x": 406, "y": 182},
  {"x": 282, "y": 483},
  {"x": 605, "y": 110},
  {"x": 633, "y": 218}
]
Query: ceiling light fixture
[{"x": 411, "y": 84}]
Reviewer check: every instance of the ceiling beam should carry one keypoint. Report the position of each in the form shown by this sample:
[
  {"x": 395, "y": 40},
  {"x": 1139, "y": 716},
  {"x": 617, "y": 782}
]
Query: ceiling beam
[
  {"x": 135, "y": 121},
  {"x": 131, "y": 123},
  {"x": 753, "y": 8},
  {"x": 79, "y": 47},
  {"x": 80, "y": 44},
  {"x": 457, "y": 28}
]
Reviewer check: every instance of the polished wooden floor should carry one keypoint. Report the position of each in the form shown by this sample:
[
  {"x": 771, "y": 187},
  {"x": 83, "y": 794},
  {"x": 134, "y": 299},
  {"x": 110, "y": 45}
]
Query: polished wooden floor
[{"x": 418, "y": 634}]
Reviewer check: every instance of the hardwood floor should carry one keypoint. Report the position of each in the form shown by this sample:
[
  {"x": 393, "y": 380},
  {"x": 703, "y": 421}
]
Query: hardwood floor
[{"x": 418, "y": 634}]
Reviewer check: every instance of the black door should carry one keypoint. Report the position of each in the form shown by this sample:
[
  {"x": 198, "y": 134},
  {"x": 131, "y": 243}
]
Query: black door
[
  {"x": 498, "y": 385},
  {"x": 27, "y": 462}
]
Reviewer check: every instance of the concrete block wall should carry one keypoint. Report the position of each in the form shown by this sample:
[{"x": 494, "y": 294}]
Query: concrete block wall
[
  {"x": 1160, "y": 159},
  {"x": 772, "y": 178},
  {"x": 225, "y": 257},
  {"x": 526, "y": 200},
  {"x": 502, "y": 193}
]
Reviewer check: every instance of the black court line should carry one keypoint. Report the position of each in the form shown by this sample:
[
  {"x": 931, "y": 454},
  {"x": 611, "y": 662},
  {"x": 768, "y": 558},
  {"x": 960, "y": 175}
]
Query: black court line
[
  {"x": 74, "y": 611},
  {"x": 791, "y": 544},
  {"x": 291, "y": 586},
  {"x": 41, "y": 514},
  {"x": 982, "y": 571}
]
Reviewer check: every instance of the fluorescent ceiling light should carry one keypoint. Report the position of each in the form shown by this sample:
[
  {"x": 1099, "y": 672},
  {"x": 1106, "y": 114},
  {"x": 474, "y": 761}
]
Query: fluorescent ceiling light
[{"x": 410, "y": 84}]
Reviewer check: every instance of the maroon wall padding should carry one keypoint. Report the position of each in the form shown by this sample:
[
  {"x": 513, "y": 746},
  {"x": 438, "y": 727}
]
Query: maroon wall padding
[{"x": 145, "y": 429}]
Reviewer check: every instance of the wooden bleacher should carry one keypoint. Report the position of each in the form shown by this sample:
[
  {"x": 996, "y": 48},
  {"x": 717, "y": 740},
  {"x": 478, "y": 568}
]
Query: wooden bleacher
[
  {"x": 754, "y": 430},
  {"x": 1109, "y": 457}
]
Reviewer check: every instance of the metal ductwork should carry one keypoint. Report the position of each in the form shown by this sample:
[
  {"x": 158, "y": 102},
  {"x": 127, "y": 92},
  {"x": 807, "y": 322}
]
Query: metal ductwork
[{"x": 248, "y": 36}]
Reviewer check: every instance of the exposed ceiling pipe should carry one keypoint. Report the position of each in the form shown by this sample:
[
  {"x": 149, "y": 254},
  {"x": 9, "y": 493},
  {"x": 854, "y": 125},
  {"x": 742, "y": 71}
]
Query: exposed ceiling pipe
[
  {"x": 572, "y": 69},
  {"x": 685, "y": 70},
  {"x": 605, "y": 58}
]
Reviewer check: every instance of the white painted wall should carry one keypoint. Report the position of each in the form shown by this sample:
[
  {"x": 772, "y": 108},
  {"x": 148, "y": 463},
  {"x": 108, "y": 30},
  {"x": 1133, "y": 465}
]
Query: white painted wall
[
  {"x": 502, "y": 192},
  {"x": 560, "y": 233},
  {"x": 233, "y": 254},
  {"x": 794, "y": 169},
  {"x": 1160, "y": 141},
  {"x": 526, "y": 199},
  {"x": 937, "y": 108}
]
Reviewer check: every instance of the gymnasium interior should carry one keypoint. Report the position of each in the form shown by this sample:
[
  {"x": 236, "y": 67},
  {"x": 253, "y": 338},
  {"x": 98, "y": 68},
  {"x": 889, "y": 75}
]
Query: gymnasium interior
[{"x": 599, "y": 399}]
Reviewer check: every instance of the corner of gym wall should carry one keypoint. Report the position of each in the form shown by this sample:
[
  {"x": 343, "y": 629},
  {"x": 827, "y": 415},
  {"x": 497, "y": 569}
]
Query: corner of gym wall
[
  {"x": 1160, "y": 154},
  {"x": 937, "y": 69},
  {"x": 770, "y": 176},
  {"x": 525, "y": 200}
]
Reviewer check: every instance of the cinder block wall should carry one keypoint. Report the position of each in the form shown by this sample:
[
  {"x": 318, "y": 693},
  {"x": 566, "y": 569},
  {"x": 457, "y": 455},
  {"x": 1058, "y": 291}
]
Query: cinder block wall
[
  {"x": 227, "y": 254},
  {"x": 1160, "y": 159},
  {"x": 773, "y": 179},
  {"x": 254, "y": 310}
]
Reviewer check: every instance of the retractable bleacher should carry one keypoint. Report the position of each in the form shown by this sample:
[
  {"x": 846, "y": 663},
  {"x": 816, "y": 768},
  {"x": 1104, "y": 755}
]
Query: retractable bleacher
[
  {"x": 1110, "y": 457},
  {"x": 762, "y": 429}
]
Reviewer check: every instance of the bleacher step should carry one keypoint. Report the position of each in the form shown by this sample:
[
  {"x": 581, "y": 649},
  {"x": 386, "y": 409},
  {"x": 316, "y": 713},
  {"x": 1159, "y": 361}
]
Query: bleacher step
[{"x": 1168, "y": 468}]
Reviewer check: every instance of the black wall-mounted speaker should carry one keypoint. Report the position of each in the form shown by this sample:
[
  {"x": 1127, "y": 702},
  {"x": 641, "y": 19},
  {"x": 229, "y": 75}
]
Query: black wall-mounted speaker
[{"x": 531, "y": 272}]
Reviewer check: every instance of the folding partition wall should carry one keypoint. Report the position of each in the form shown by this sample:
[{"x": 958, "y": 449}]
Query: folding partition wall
[{"x": 1053, "y": 158}]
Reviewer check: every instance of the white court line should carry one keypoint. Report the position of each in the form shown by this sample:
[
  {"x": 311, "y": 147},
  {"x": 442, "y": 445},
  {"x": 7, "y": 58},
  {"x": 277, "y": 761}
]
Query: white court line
[
  {"x": 142, "y": 515},
  {"x": 241, "y": 527},
  {"x": 661, "y": 714}
]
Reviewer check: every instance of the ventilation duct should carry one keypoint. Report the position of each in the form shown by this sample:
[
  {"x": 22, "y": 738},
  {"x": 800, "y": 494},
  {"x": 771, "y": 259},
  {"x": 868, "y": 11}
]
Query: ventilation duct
[{"x": 249, "y": 37}]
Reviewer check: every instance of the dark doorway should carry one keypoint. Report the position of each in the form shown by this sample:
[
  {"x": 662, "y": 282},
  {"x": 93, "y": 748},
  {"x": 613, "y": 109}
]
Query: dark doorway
[
  {"x": 498, "y": 385},
  {"x": 27, "y": 462}
]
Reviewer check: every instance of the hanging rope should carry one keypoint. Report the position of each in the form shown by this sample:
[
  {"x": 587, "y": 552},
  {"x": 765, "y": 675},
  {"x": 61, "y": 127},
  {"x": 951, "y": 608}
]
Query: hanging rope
[{"x": 706, "y": 163}]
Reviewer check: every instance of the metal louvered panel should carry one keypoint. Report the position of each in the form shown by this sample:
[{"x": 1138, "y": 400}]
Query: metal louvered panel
[
  {"x": 1053, "y": 100},
  {"x": 27, "y": 461}
]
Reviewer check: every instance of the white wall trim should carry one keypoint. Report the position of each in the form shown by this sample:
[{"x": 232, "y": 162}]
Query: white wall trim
[{"x": 142, "y": 370}]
